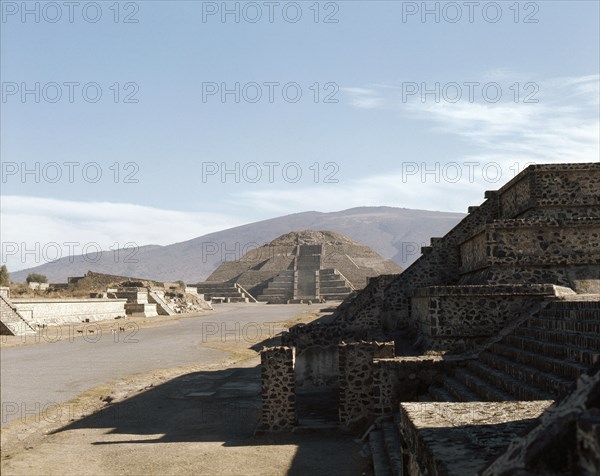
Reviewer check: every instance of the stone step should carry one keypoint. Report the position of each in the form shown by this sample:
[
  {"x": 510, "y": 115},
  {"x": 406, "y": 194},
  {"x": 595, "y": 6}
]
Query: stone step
[
  {"x": 393, "y": 447},
  {"x": 220, "y": 292},
  {"x": 441, "y": 394},
  {"x": 330, "y": 277},
  {"x": 460, "y": 391},
  {"x": 482, "y": 387},
  {"x": 333, "y": 285},
  {"x": 510, "y": 387},
  {"x": 562, "y": 368},
  {"x": 211, "y": 287},
  {"x": 571, "y": 314},
  {"x": 335, "y": 297},
  {"x": 578, "y": 339},
  {"x": 562, "y": 351},
  {"x": 228, "y": 299},
  {"x": 565, "y": 325},
  {"x": 381, "y": 465},
  {"x": 271, "y": 291},
  {"x": 279, "y": 297},
  {"x": 548, "y": 382},
  {"x": 571, "y": 305}
]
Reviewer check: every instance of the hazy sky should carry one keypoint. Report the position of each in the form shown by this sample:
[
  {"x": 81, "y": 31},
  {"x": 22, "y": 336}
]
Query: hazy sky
[{"x": 373, "y": 103}]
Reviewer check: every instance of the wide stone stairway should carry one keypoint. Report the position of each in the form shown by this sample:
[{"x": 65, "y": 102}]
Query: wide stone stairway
[
  {"x": 540, "y": 360},
  {"x": 307, "y": 280},
  {"x": 11, "y": 322},
  {"x": 223, "y": 292},
  {"x": 488, "y": 401}
]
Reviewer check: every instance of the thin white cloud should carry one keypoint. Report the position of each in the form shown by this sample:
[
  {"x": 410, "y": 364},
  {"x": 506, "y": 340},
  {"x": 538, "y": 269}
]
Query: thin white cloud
[
  {"x": 563, "y": 126},
  {"x": 364, "y": 98},
  {"x": 501, "y": 138},
  {"x": 35, "y": 229}
]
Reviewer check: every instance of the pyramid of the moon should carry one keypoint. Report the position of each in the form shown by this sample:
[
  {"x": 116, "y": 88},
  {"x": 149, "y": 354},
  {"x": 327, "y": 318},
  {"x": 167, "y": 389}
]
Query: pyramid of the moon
[{"x": 302, "y": 265}]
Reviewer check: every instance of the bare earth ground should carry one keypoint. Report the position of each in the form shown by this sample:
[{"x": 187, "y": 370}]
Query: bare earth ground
[{"x": 196, "y": 420}]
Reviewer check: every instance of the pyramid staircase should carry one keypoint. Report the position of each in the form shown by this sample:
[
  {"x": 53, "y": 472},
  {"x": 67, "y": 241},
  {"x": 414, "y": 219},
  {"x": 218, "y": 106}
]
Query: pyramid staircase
[
  {"x": 280, "y": 288},
  {"x": 333, "y": 286},
  {"x": 307, "y": 281},
  {"x": 540, "y": 360}
]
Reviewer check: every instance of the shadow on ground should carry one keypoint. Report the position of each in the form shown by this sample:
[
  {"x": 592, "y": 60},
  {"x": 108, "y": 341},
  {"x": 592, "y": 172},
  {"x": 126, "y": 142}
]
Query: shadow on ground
[{"x": 216, "y": 406}]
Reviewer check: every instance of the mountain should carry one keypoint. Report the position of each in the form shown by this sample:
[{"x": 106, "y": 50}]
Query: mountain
[{"x": 395, "y": 233}]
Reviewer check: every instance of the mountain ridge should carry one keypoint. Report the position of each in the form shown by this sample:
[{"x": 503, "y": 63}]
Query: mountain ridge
[{"x": 394, "y": 233}]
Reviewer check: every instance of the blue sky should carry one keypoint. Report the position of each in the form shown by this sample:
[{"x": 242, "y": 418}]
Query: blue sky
[{"x": 377, "y": 139}]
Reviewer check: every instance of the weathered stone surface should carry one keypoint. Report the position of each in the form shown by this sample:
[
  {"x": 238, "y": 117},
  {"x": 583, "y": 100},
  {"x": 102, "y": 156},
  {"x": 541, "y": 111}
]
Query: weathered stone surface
[
  {"x": 566, "y": 439},
  {"x": 357, "y": 391},
  {"x": 459, "y": 439},
  {"x": 278, "y": 389}
]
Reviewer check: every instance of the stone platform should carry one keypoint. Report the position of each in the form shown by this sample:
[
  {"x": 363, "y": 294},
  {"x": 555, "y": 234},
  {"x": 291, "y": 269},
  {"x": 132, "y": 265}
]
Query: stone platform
[{"x": 461, "y": 438}]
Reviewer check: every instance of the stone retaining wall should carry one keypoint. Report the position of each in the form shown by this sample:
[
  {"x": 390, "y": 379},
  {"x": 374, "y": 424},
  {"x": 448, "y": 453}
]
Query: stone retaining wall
[
  {"x": 457, "y": 318},
  {"x": 52, "y": 312},
  {"x": 357, "y": 392},
  {"x": 404, "y": 379},
  {"x": 278, "y": 389}
]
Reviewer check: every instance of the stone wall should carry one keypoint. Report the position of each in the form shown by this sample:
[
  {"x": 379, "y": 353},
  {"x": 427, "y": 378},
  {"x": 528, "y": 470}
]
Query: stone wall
[
  {"x": 317, "y": 367},
  {"x": 566, "y": 440},
  {"x": 457, "y": 318},
  {"x": 537, "y": 242},
  {"x": 404, "y": 379},
  {"x": 437, "y": 266},
  {"x": 278, "y": 389},
  {"x": 356, "y": 389},
  {"x": 550, "y": 185},
  {"x": 11, "y": 322},
  {"x": 364, "y": 312},
  {"x": 65, "y": 311}
]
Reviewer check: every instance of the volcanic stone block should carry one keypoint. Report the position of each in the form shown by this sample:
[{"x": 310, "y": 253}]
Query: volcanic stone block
[
  {"x": 356, "y": 379},
  {"x": 278, "y": 388}
]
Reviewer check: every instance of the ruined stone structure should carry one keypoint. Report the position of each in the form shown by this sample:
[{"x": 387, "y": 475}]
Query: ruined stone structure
[
  {"x": 223, "y": 292},
  {"x": 301, "y": 266},
  {"x": 278, "y": 389},
  {"x": 138, "y": 301},
  {"x": 493, "y": 327},
  {"x": 23, "y": 316},
  {"x": 11, "y": 322},
  {"x": 55, "y": 312}
]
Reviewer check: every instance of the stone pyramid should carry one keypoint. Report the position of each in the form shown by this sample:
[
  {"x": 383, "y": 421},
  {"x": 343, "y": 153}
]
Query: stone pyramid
[{"x": 302, "y": 265}]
